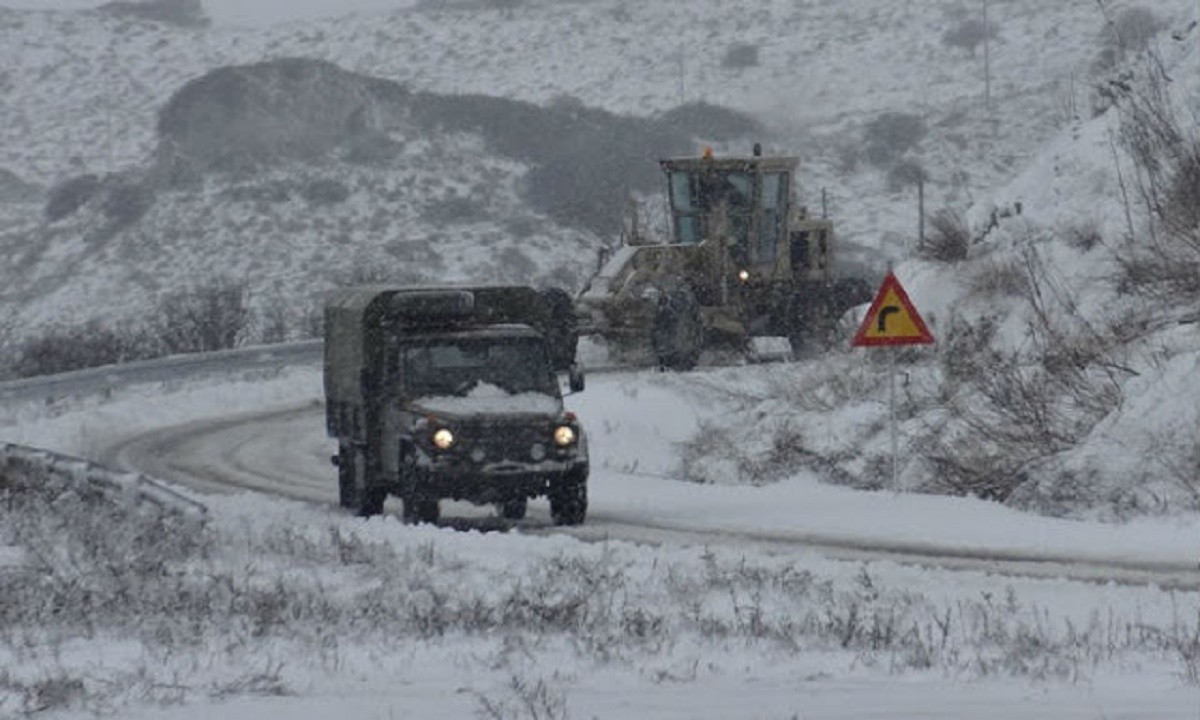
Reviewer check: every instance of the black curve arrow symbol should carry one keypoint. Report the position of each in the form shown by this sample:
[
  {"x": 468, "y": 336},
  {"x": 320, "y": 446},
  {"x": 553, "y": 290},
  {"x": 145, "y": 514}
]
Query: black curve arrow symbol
[{"x": 883, "y": 314}]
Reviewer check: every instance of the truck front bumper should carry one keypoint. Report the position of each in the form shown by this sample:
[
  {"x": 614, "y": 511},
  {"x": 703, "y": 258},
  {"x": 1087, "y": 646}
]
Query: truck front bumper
[{"x": 456, "y": 479}]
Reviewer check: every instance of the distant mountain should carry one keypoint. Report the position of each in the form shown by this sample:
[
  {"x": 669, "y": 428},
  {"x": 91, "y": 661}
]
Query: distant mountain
[{"x": 181, "y": 13}]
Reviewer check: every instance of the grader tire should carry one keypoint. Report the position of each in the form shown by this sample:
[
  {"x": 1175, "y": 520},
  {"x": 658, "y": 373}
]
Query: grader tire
[
  {"x": 677, "y": 336},
  {"x": 562, "y": 330}
]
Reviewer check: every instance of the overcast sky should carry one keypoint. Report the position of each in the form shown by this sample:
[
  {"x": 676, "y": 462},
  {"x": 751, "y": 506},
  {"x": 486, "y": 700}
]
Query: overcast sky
[{"x": 257, "y": 12}]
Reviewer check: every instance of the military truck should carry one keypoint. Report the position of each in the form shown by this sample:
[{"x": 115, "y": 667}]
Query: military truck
[
  {"x": 436, "y": 393},
  {"x": 742, "y": 259}
]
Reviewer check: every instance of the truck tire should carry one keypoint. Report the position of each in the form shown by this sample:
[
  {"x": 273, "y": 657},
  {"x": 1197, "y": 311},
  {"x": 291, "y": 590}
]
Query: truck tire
[
  {"x": 345, "y": 466},
  {"x": 421, "y": 510},
  {"x": 513, "y": 509},
  {"x": 371, "y": 502},
  {"x": 568, "y": 499},
  {"x": 418, "y": 507},
  {"x": 562, "y": 329},
  {"x": 678, "y": 332},
  {"x": 353, "y": 492}
]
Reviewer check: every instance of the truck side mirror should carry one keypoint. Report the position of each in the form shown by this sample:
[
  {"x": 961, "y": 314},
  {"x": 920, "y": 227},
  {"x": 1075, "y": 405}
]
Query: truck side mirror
[{"x": 575, "y": 378}]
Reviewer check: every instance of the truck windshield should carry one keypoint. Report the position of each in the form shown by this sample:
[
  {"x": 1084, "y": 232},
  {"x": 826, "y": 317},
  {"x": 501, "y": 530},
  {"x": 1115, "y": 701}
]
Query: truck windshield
[{"x": 455, "y": 366}]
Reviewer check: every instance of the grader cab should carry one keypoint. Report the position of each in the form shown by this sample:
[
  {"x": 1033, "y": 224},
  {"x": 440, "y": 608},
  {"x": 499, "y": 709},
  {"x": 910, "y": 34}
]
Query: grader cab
[{"x": 742, "y": 259}]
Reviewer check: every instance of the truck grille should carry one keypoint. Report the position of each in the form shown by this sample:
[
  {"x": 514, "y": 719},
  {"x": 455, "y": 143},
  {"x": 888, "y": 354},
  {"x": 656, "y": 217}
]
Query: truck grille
[{"x": 503, "y": 442}]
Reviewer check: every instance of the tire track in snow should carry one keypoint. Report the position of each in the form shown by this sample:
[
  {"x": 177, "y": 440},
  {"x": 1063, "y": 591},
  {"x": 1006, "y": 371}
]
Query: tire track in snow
[{"x": 259, "y": 452}]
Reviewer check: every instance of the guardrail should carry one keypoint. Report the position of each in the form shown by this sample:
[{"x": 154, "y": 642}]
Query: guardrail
[
  {"x": 102, "y": 380},
  {"x": 132, "y": 488}
]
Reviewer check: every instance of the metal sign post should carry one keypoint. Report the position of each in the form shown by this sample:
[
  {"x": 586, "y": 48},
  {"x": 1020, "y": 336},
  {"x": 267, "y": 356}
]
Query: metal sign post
[
  {"x": 892, "y": 320},
  {"x": 892, "y": 409}
]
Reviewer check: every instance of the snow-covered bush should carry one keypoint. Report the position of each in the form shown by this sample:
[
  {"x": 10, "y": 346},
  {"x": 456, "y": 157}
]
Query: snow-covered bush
[
  {"x": 94, "y": 344},
  {"x": 969, "y": 34},
  {"x": 205, "y": 318},
  {"x": 892, "y": 134},
  {"x": 1165, "y": 151},
  {"x": 69, "y": 195},
  {"x": 742, "y": 55},
  {"x": 948, "y": 238},
  {"x": 1129, "y": 31}
]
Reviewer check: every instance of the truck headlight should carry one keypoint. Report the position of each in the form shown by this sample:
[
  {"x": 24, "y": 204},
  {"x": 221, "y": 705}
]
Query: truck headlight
[
  {"x": 563, "y": 435},
  {"x": 443, "y": 439}
]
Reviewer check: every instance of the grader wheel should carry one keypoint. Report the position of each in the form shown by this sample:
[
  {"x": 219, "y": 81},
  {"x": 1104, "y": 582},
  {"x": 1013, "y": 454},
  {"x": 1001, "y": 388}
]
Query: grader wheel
[{"x": 677, "y": 335}]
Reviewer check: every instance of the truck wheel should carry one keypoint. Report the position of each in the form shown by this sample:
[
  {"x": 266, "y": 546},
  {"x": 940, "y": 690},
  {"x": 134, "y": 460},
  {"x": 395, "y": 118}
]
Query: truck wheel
[
  {"x": 371, "y": 502},
  {"x": 568, "y": 499},
  {"x": 421, "y": 510},
  {"x": 345, "y": 468},
  {"x": 353, "y": 493},
  {"x": 678, "y": 332},
  {"x": 513, "y": 509}
]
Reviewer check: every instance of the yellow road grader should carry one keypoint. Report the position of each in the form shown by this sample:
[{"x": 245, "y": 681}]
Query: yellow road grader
[{"x": 743, "y": 259}]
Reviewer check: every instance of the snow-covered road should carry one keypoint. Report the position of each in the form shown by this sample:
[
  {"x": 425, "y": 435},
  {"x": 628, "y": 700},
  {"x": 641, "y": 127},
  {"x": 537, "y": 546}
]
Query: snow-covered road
[{"x": 636, "y": 419}]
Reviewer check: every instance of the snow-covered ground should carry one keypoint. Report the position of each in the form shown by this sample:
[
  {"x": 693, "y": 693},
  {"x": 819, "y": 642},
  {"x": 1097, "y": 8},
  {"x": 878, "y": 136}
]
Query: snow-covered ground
[{"x": 1041, "y": 647}]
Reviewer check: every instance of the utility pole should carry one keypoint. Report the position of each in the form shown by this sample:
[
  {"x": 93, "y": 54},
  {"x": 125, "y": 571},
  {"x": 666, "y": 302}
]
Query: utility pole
[
  {"x": 682, "y": 76},
  {"x": 921, "y": 211},
  {"x": 987, "y": 59},
  {"x": 109, "y": 99}
]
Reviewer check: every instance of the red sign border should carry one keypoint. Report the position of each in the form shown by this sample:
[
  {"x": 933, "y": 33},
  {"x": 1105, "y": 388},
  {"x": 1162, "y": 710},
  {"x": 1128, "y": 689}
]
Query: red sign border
[{"x": 891, "y": 283}]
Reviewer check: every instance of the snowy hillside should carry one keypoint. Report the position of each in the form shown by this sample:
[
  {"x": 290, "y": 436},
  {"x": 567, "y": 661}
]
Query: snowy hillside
[{"x": 82, "y": 93}]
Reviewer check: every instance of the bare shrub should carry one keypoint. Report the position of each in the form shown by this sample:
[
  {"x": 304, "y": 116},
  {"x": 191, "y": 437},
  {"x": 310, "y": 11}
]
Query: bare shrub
[
  {"x": 948, "y": 239},
  {"x": 206, "y": 318},
  {"x": 1002, "y": 275},
  {"x": 1129, "y": 32},
  {"x": 1010, "y": 416},
  {"x": 889, "y": 136},
  {"x": 538, "y": 700},
  {"x": 92, "y": 345},
  {"x": 1084, "y": 236},
  {"x": 969, "y": 34},
  {"x": 324, "y": 191},
  {"x": 1166, "y": 156},
  {"x": 712, "y": 122},
  {"x": 1008, "y": 410},
  {"x": 273, "y": 321},
  {"x": 966, "y": 349},
  {"x": 1181, "y": 199},
  {"x": 905, "y": 173},
  {"x": 126, "y": 201},
  {"x": 453, "y": 211},
  {"x": 742, "y": 55},
  {"x": 69, "y": 195}
]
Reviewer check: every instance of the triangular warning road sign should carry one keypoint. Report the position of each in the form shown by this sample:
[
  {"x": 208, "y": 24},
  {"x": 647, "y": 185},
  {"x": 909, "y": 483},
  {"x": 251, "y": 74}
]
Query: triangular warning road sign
[{"x": 892, "y": 319}]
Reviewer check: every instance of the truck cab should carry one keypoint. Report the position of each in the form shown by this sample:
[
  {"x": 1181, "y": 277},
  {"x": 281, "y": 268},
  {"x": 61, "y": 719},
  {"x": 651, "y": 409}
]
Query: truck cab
[{"x": 445, "y": 394}]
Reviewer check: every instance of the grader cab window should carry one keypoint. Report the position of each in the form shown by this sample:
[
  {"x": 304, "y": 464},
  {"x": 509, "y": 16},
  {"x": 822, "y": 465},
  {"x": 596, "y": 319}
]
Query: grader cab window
[
  {"x": 697, "y": 196},
  {"x": 772, "y": 213}
]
